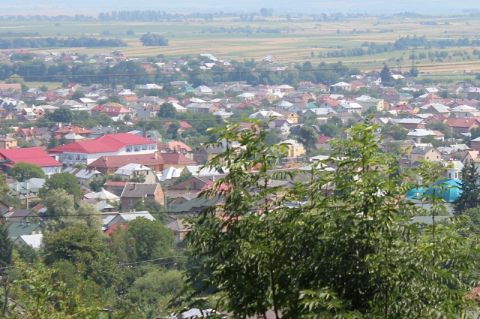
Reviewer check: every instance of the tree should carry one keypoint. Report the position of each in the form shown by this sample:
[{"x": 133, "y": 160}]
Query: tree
[
  {"x": 349, "y": 251},
  {"x": 60, "y": 208},
  {"x": 152, "y": 39},
  {"x": 153, "y": 291},
  {"x": 413, "y": 72},
  {"x": 470, "y": 197},
  {"x": 85, "y": 249},
  {"x": 167, "y": 111},
  {"x": 395, "y": 131},
  {"x": 306, "y": 135},
  {"x": 64, "y": 181},
  {"x": 44, "y": 294},
  {"x": 6, "y": 247},
  {"x": 172, "y": 130},
  {"x": 149, "y": 239},
  {"x": 26, "y": 171},
  {"x": 61, "y": 116},
  {"x": 386, "y": 75}
]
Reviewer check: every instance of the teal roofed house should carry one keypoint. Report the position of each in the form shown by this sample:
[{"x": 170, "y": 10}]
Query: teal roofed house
[
  {"x": 448, "y": 189},
  {"x": 416, "y": 193}
]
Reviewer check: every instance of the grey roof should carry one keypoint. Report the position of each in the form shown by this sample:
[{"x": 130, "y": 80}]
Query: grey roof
[
  {"x": 421, "y": 150},
  {"x": 17, "y": 228},
  {"x": 137, "y": 190}
]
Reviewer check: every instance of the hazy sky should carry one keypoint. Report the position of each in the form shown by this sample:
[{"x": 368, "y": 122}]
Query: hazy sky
[{"x": 309, "y": 6}]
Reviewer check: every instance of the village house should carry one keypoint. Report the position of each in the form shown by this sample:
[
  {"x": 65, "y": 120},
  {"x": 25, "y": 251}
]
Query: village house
[
  {"x": 136, "y": 172},
  {"x": 31, "y": 155},
  {"x": 62, "y": 131},
  {"x": 8, "y": 142},
  {"x": 134, "y": 193},
  {"x": 115, "y": 111},
  {"x": 86, "y": 152},
  {"x": 462, "y": 126},
  {"x": 428, "y": 154},
  {"x": 110, "y": 164},
  {"x": 295, "y": 148}
]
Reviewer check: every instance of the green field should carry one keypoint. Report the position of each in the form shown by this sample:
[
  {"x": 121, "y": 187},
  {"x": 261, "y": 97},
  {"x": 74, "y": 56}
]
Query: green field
[{"x": 300, "y": 40}]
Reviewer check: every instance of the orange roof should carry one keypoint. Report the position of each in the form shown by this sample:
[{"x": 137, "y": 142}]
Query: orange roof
[
  {"x": 73, "y": 129},
  {"x": 178, "y": 146},
  {"x": 462, "y": 123}
]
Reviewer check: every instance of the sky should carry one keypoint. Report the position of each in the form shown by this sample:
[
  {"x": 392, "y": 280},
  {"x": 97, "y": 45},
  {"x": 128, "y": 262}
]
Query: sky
[{"x": 281, "y": 6}]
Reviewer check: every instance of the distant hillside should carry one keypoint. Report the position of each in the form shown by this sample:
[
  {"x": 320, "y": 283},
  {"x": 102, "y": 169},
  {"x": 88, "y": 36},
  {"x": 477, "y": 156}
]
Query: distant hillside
[{"x": 365, "y": 6}]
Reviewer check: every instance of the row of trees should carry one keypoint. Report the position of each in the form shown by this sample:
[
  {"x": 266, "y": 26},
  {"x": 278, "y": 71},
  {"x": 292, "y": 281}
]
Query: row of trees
[
  {"x": 16, "y": 43},
  {"x": 130, "y": 73}
]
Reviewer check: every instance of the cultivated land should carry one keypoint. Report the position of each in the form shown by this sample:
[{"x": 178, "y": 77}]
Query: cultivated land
[{"x": 298, "y": 40}]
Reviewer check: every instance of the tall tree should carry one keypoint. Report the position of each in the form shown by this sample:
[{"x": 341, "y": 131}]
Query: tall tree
[
  {"x": 470, "y": 187},
  {"x": 64, "y": 181},
  {"x": 386, "y": 75},
  {"x": 348, "y": 251},
  {"x": 149, "y": 239},
  {"x": 167, "y": 111}
]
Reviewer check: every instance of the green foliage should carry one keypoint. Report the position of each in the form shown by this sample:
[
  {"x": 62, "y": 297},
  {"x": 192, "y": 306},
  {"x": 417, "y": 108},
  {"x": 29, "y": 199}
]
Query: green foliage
[
  {"x": 470, "y": 197},
  {"x": 153, "y": 291},
  {"x": 348, "y": 251},
  {"x": 60, "y": 209},
  {"x": 64, "y": 181},
  {"x": 152, "y": 39},
  {"x": 6, "y": 247},
  {"x": 83, "y": 248},
  {"x": 396, "y": 132},
  {"x": 148, "y": 239},
  {"x": 41, "y": 294},
  {"x": 25, "y": 171},
  {"x": 167, "y": 111},
  {"x": 306, "y": 135},
  {"x": 61, "y": 116},
  {"x": 386, "y": 76}
]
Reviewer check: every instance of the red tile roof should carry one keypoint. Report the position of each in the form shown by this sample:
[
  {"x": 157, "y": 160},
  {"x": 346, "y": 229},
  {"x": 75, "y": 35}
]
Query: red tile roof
[
  {"x": 177, "y": 146},
  {"x": 10, "y": 87},
  {"x": 111, "y": 109},
  {"x": 31, "y": 155},
  {"x": 462, "y": 123},
  {"x": 122, "y": 160},
  {"x": 105, "y": 144},
  {"x": 115, "y": 183},
  {"x": 176, "y": 159}
]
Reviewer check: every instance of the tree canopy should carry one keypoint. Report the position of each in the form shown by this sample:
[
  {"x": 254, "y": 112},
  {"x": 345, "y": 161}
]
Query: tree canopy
[
  {"x": 338, "y": 246},
  {"x": 25, "y": 171},
  {"x": 64, "y": 181}
]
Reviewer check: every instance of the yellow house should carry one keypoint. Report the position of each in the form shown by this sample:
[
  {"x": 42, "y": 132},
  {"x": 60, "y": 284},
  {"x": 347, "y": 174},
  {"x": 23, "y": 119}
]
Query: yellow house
[
  {"x": 291, "y": 117},
  {"x": 295, "y": 148},
  {"x": 8, "y": 143}
]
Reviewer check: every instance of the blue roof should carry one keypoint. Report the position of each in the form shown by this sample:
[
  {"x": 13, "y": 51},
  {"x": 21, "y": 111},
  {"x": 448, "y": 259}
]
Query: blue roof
[
  {"x": 448, "y": 189},
  {"x": 416, "y": 193}
]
